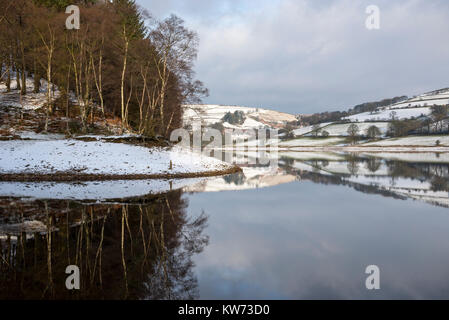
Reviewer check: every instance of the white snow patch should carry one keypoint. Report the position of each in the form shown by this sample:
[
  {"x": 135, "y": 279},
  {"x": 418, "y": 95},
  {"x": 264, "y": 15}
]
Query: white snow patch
[
  {"x": 47, "y": 157},
  {"x": 311, "y": 142},
  {"x": 342, "y": 128},
  {"x": 430, "y": 141},
  {"x": 383, "y": 115},
  {"x": 308, "y": 129},
  {"x": 30, "y": 101}
]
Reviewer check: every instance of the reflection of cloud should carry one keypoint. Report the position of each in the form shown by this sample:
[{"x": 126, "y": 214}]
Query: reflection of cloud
[
  {"x": 288, "y": 242},
  {"x": 304, "y": 56}
]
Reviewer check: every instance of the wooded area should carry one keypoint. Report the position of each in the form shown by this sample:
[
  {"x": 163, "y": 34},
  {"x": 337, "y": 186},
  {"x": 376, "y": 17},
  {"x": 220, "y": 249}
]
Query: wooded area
[{"x": 120, "y": 62}]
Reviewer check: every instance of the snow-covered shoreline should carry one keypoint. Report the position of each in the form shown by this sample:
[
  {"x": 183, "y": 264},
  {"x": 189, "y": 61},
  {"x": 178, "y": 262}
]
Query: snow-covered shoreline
[{"x": 69, "y": 160}]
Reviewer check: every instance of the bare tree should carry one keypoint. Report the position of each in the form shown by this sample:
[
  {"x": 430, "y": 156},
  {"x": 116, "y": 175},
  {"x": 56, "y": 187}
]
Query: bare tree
[
  {"x": 316, "y": 129},
  {"x": 48, "y": 39},
  {"x": 373, "y": 132},
  {"x": 353, "y": 131},
  {"x": 177, "y": 49},
  {"x": 439, "y": 113}
]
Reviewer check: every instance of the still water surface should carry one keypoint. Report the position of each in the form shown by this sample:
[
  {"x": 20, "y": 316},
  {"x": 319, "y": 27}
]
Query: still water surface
[{"x": 306, "y": 229}]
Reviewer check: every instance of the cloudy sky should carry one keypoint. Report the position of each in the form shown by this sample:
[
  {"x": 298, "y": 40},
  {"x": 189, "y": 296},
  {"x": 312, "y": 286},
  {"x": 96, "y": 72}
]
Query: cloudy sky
[{"x": 305, "y": 56}]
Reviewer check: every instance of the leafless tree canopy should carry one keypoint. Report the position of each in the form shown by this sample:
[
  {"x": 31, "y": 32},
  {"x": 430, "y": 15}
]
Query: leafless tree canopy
[{"x": 115, "y": 65}]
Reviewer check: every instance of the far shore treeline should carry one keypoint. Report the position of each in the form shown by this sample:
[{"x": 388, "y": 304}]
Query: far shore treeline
[{"x": 120, "y": 63}]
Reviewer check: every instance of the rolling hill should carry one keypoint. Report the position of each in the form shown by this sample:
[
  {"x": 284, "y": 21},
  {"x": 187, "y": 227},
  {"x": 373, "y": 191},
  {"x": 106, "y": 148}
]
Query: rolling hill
[
  {"x": 254, "y": 118},
  {"x": 411, "y": 108}
]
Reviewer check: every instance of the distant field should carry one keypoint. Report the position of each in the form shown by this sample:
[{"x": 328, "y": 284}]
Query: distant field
[
  {"x": 382, "y": 115},
  {"x": 312, "y": 142},
  {"x": 342, "y": 129},
  {"x": 426, "y": 141}
]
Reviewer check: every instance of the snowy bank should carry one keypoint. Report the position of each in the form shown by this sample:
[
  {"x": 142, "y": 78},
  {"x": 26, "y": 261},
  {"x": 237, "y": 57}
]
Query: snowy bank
[{"x": 67, "y": 160}]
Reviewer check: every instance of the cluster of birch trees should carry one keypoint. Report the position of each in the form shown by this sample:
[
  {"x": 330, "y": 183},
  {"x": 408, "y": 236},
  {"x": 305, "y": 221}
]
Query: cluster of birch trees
[{"x": 120, "y": 61}]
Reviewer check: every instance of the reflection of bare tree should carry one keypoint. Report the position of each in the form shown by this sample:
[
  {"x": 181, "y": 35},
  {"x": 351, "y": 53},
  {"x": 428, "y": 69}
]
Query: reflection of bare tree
[
  {"x": 353, "y": 163},
  {"x": 124, "y": 251},
  {"x": 172, "y": 276},
  {"x": 353, "y": 167},
  {"x": 236, "y": 178},
  {"x": 316, "y": 165},
  {"x": 48, "y": 237},
  {"x": 404, "y": 169},
  {"x": 324, "y": 163},
  {"x": 373, "y": 164},
  {"x": 440, "y": 184}
]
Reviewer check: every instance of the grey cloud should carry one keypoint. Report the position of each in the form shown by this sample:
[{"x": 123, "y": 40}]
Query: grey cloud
[{"x": 303, "y": 56}]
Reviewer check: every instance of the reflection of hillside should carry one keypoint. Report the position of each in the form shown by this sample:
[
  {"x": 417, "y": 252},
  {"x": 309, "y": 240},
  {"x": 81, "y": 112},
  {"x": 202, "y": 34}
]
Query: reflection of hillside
[
  {"x": 250, "y": 178},
  {"x": 424, "y": 181},
  {"x": 123, "y": 250},
  {"x": 428, "y": 182}
]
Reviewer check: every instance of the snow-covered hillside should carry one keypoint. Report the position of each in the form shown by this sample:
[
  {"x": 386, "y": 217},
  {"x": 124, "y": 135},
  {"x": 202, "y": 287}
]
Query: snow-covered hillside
[
  {"x": 388, "y": 114},
  {"x": 254, "y": 117},
  {"x": 30, "y": 101},
  {"x": 308, "y": 129},
  {"x": 419, "y": 107},
  {"x": 437, "y": 97},
  {"x": 341, "y": 129},
  {"x": 412, "y": 108},
  {"x": 427, "y": 141}
]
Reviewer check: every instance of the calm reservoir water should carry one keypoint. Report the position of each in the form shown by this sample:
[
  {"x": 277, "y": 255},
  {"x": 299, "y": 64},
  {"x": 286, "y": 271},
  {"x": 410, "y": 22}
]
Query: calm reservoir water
[{"x": 304, "y": 229}]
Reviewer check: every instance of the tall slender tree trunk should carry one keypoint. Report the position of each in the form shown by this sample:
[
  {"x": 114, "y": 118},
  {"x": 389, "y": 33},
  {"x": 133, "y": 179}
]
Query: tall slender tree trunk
[
  {"x": 18, "y": 87},
  {"x": 122, "y": 84},
  {"x": 36, "y": 79},
  {"x": 47, "y": 111},
  {"x": 50, "y": 47},
  {"x": 100, "y": 82},
  {"x": 99, "y": 79},
  {"x": 67, "y": 91},
  {"x": 24, "y": 84},
  {"x": 169, "y": 123},
  {"x": 164, "y": 81},
  {"x": 141, "y": 103},
  {"x": 49, "y": 82},
  {"x": 8, "y": 74}
]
